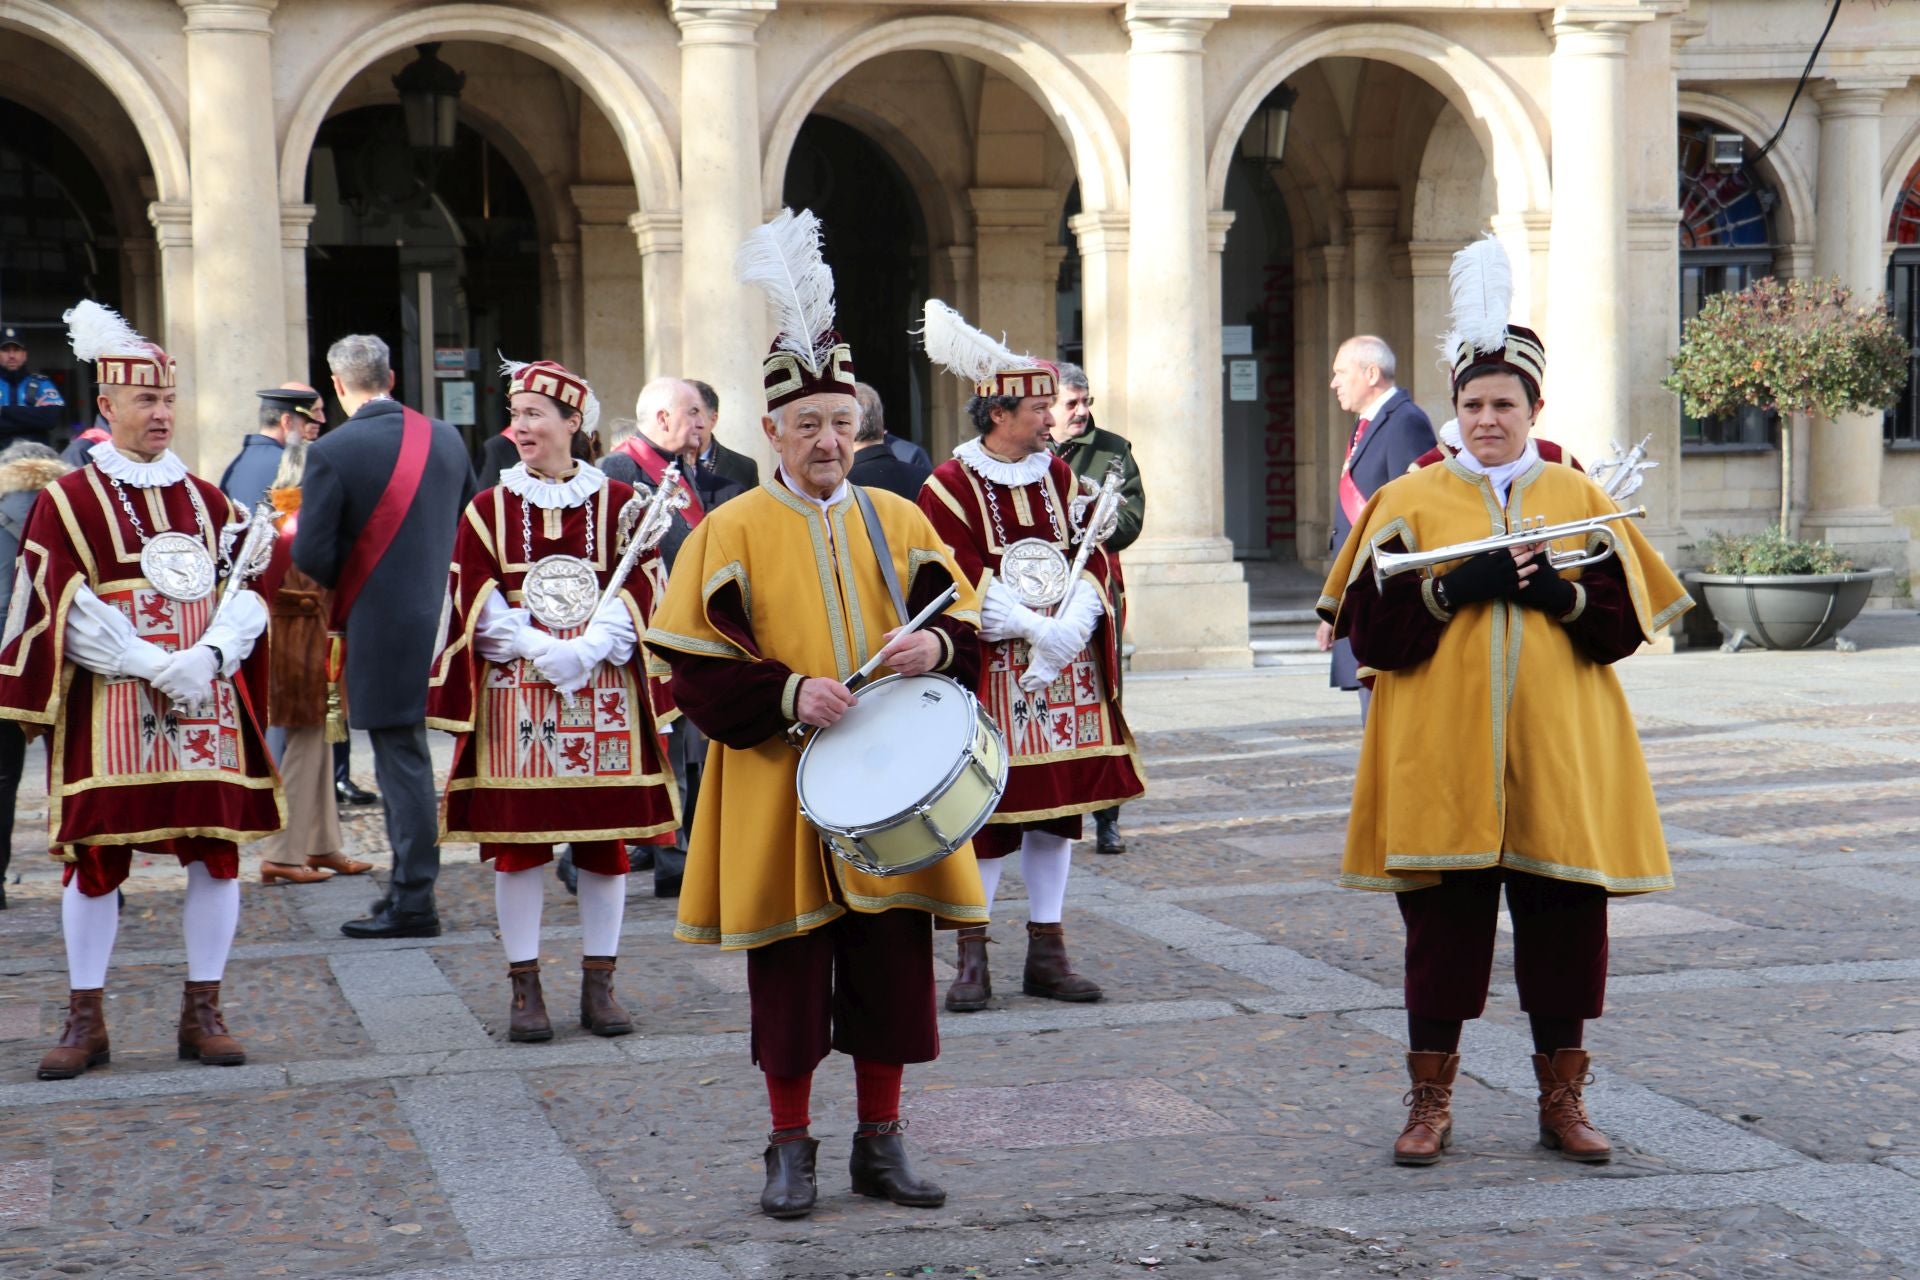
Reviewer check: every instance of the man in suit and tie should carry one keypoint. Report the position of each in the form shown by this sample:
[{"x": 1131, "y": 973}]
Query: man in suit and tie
[
  {"x": 380, "y": 502},
  {"x": 1391, "y": 432}
]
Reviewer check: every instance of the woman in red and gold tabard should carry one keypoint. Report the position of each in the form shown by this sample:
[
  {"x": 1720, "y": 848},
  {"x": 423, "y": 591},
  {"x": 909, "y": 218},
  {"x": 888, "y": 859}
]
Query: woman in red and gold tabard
[{"x": 547, "y": 690}]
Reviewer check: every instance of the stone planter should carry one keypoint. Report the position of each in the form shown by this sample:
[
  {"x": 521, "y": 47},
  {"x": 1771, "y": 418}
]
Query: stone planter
[{"x": 1783, "y": 611}]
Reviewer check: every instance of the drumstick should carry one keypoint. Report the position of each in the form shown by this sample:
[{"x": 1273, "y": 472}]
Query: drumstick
[{"x": 859, "y": 677}]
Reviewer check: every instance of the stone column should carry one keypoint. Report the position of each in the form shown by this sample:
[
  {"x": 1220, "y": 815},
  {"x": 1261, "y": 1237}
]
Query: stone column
[
  {"x": 1370, "y": 219},
  {"x": 140, "y": 282},
  {"x": 566, "y": 278},
  {"x": 725, "y": 327},
  {"x": 1189, "y": 597},
  {"x": 1323, "y": 320},
  {"x": 1653, "y": 273},
  {"x": 1849, "y": 242},
  {"x": 1428, "y": 265},
  {"x": 611, "y": 294},
  {"x": 238, "y": 278},
  {"x": 951, "y": 279},
  {"x": 1102, "y": 239},
  {"x": 295, "y": 221},
  {"x": 662, "y": 337},
  {"x": 173, "y": 233},
  {"x": 1012, "y": 227},
  {"x": 1588, "y": 367}
]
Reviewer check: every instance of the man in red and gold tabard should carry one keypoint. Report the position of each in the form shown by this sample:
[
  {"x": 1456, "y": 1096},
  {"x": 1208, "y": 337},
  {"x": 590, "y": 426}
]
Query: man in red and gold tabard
[
  {"x": 776, "y": 599},
  {"x": 1010, "y": 509},
  {"x": 118, "y": 642},
  {"x": 546, "y": 688}
]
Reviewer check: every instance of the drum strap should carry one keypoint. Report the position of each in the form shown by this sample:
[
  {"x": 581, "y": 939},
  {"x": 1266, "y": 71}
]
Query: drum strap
[{"x": 878, "y": 537}]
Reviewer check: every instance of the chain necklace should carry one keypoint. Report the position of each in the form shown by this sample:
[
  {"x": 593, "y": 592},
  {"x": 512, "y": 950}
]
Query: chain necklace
[
  {"x": 126, "y": 504},
  {"x": 526, "y": 528},
  {"x": 993, "y": 511}
]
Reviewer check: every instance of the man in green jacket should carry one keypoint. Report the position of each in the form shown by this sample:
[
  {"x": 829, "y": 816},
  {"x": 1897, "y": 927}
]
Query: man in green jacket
[{"x": 1090, "y": 451}]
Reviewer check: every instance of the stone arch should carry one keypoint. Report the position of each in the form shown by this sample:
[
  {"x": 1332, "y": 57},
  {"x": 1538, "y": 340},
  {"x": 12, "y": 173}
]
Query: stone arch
[
  {"x": 1900, "y": 163},
  {"x": 1499, "y": 119},
  {"x": 118, "y": 74},
  {"x": 1453, "y": 184},
  {"x": 1790, "y": 181},
  {"x": 614, "y": 88},
  {"x": 1068, "y": 99}
]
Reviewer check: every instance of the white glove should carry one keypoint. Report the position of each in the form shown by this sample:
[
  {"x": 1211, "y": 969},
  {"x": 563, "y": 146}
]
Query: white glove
[
  {"x": 1062, "y": 637},
  {"x": 188, "y": 678},
  {"x": 567, "y": 665},
  {"x": 236, "y": 625},
  {"x": 531, "y": 642},
  {"x": 1004, "y": 617},
  {"x": 144, "y": 660}
]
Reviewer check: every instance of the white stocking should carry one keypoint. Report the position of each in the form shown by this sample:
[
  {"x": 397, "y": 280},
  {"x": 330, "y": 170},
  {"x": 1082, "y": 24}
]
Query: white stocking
[
  {"x": 208, "y": 920},
  {"x": 1045, "y": 861},
  {"x": 990, "y": 879},
  {"x": 90, "y": 926},
  {"x": 603, "y": 903},
  {"x": 517, "y": 899}
]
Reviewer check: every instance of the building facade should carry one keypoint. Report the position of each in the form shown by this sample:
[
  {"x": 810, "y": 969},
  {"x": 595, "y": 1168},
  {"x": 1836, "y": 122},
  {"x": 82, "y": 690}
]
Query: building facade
[{"x": 245, "y": 181}]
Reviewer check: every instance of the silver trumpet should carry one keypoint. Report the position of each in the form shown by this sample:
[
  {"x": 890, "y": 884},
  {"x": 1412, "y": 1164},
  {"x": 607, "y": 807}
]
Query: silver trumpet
[{"x": 1388, "y": 563}]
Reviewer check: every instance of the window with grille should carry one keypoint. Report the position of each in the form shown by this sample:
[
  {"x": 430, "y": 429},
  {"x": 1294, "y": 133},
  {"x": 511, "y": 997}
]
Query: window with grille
[
  {"x": 1726, "y": 243},
  {"x": 1903, "y": 294}
]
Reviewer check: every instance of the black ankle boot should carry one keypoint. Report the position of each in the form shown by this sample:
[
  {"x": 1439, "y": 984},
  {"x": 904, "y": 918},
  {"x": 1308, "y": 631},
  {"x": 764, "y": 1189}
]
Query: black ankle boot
[
  {"x": 880, "y": 1168},
  {"x": 791, "y": 1187}
]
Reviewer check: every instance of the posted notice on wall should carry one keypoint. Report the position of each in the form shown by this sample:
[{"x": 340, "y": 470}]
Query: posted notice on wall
[
  {"x": 1243, "y": 380},
  {"x": 456, "y": 403}
]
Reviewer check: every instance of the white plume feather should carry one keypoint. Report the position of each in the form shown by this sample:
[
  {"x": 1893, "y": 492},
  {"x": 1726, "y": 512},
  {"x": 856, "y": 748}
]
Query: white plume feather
[
  {"x": 510, "y": 368},
  {"x": 97, "y": 331},
  {"x": 1481, "y": 283},
  {"x": 783, "y": 258},
  {"x": 959, "y": 347}
]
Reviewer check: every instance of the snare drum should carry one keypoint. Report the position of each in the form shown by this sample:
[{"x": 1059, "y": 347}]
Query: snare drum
[{"x": 905, "y": 777}]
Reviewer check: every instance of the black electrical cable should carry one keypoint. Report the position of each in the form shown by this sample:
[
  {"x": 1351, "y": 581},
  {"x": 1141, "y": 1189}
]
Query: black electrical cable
[{"x": 1804, "y": 77}]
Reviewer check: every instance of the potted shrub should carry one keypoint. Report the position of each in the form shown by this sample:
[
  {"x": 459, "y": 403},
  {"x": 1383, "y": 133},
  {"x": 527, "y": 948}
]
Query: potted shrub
[{"x": 1802, "y": 346}]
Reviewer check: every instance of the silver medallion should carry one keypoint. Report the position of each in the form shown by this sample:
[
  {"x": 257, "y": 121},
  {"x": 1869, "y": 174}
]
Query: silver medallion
[
  {"x": 179, "y": 567},
  {"x": 1037, "y": 572},
  {"x": 561, "y": 591}
]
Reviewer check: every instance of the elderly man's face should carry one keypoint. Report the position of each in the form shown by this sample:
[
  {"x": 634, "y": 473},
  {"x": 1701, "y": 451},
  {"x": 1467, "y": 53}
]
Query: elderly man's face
[
  {"x": 676, "y": 426},
  {"x": 140, "y": 418},
  {"x": 815, "y": 443},
  {"x": 1355, "y": 381},
  {"x": 1074, "y": 414}
]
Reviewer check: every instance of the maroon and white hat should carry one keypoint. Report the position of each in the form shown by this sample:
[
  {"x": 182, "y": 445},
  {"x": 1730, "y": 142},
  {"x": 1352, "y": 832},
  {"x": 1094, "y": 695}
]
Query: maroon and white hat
[
  {"x": 808, "y": 356},
  {"x": 553, "y": 379},
  {"x": 120, "y": 357},
  {"x": 992, "y": 368},
  {"x": 1481, "y": 282}
]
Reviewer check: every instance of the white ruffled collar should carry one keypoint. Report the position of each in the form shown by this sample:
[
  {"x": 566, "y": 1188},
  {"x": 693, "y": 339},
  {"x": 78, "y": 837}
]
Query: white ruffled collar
[
  {"x": 162, "y": 471},
  {"x": 549, "y": 494},
  {"x": 1501, "y": 476},
  {"x": 1028, "y": 470}
]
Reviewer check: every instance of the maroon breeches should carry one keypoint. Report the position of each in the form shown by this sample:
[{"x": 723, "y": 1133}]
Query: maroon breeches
[
  {"x": 998, "y": 839},
  {"x": 102, "y": 868},
  {"x": 862, "y": 984},
  {"x": 602, "y": 857},
  {"x": 1559, "y": 944}
]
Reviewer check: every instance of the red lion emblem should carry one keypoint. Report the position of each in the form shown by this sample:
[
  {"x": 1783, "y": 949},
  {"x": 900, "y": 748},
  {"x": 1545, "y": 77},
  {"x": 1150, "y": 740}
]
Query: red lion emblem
[
  {"x": 200, "y": 745},
  {"x": 156, "y": 611},
  {"x": 610, "y": 707},
  {"x": 573, "y": 754}
]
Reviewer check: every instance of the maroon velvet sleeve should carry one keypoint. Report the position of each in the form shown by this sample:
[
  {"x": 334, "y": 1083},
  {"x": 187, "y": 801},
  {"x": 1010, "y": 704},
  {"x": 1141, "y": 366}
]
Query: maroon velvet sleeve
[
  {"x": 1390, "y": 628},
  {"x": 964, "y": 636},
  {"x": 1608, "y": 629},
  {"x": 731, "y": 701}
]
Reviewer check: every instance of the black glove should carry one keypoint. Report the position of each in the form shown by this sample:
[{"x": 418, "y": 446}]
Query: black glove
[
  {"x": 1545, "y": 589},
  {"x": 1487, "y": 576}
]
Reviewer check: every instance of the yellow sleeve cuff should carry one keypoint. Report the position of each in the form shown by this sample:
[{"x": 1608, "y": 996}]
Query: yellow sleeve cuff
[
  {"x": 1432, "y": 601},
  {"x": 1579, "y": 604},
  {"x": 789, "y": 697}
]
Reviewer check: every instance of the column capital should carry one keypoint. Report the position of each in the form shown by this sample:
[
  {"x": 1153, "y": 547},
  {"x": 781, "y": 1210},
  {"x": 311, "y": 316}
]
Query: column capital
[
  {"x": 719, "y": 21},
  {"x": 565, "y": 253},
  {"x": 1100, "y": 232},
  {"x": 604, "y": 204},
  {"x": 1863, "y": 96},
  {"x": 1427, "y": 258},
  {"x": 172, "y": 223},
  {"x": 656, "y": 232},
  {"x": 1594, "y": 30},
  {"x": 1012, "y": 208},
  {"x": 1219, "y": 222},
  {"x": 296, "y": 220},
  {"x": 1170, "y": 26},
  {"x": 1371, "y": 210},
  {"x": 252, "y": 17}
]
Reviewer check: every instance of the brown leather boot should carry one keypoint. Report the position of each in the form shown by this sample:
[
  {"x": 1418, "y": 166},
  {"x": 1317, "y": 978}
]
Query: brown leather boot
[
  {"x": 600, "y": 1013},
  {"x": 972, "y": 983},
  {"x": 1049, "y": 973},
  {"x": 203, "y": 1031},
  {"x": 1429, "y": 1104},
  {"x": 528, "y": 1020},
  {"x": 1564, "y": 1126},
  {"x": 83, "y": 1043}
]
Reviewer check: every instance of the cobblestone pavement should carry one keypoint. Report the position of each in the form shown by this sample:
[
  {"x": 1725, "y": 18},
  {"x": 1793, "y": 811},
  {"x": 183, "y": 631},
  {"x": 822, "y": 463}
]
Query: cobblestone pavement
[{"x": 1227, "y": 1111}]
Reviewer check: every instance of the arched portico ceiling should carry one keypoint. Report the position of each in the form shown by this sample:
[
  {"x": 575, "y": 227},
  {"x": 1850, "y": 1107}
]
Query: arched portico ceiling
[
  {"x": 1523, "y": 180},
  {"x": 1790, "y": 180},
  {"x": 612, "y": 86},
  {"x": 1069, "y": 101},
  {"x": 117, "y": 73}
]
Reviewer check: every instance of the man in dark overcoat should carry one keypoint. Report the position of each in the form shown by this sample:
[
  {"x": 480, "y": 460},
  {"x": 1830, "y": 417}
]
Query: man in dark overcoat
[
  {"x": 394, "y": 622},
  {"x": 1389, "y": 433}
]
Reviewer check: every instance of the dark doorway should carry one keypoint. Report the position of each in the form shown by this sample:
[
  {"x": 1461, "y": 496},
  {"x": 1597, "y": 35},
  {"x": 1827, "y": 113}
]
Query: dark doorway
[
  {"x": 393, "y": 231},
  {"x": 1260, "y": 432},
  {"x": 876, "y": 243}
]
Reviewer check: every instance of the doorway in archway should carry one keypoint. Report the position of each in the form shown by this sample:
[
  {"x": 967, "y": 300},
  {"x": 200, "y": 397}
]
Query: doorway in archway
[
  {"x": 1258, "y": 401},
  {"x": 439, "y": 259},
  {"x": 876, "y": 242}
]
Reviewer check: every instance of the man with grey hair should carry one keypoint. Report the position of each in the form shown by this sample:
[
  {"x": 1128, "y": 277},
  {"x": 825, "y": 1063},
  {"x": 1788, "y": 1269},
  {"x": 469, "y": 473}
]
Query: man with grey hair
[
  {"x": 875, "y": 464},
  {"x": 380, "y": 502},
  {"x": 1391, "y": 433}
]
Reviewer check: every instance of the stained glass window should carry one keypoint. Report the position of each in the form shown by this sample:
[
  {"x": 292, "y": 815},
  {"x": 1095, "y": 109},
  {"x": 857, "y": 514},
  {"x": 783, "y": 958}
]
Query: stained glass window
[
  {"x": 1726, "y": 243},
  {"x": 1903, "y": 295}
]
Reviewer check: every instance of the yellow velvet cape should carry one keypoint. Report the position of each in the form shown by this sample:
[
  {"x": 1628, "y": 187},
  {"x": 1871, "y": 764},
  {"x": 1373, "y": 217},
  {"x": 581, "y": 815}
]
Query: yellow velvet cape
[
  {"x": 1509, "y": 746},
  {"x": 757, "y": 871}
]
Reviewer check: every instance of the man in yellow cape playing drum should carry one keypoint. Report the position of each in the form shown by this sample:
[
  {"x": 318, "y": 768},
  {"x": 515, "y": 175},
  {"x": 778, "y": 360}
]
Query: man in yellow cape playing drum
[
  {"x": 774, "y": 601},
  {"x": 1501, "y": 751}
]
